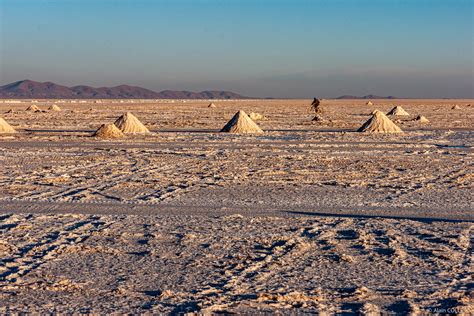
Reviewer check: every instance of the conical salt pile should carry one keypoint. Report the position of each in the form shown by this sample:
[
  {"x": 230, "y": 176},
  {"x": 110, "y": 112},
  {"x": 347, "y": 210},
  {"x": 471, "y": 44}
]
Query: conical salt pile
[
  {"x": 54, "y": 108},
  {"x": 421, "y": 119},
  {"x": 9, "y": 111},
  {"x": 33, "y": 108},
  {"x": 241, "y": 123},
  {"x": 108, "y": 131},
  {"x": 398, "y": 111},
  {"x": 256, "y": 116},
  {"x": 128, "y": 123},
  {"x": 373, "y": 112},
  {"x": 456, "y": 107},
  {"x": 5, "y": 127},
  {"x": 379, "y": 123},
  {"x": 369, "y": 103},
  {"x": 211, "y": 105}
]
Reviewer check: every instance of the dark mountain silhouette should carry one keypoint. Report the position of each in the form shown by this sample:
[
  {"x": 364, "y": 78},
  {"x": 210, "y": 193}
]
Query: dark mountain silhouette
[
  {"x": 33, "y": 89},
  {"x": 369, "y": 96},
  {"x": 170, "y": 94},
  {"x": 119, "y": 92},
  {"x": 28, "y": 89}
]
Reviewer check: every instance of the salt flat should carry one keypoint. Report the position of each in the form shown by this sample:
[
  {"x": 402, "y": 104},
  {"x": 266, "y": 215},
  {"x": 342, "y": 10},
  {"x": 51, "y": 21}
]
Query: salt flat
[{"x": 307, "y": 216}]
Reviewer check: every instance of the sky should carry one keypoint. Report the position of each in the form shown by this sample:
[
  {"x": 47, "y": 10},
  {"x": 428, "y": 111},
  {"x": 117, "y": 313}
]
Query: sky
[{"x": 260, "y": 48}]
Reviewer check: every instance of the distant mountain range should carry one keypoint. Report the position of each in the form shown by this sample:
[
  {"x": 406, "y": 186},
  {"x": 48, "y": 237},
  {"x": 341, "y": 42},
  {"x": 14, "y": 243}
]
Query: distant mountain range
[
  {"x": 369, "y": 96},
  {"x": 28, "y": 89}
]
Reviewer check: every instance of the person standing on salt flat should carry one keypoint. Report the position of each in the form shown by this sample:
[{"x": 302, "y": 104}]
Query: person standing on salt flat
[{"x": 316, "y": 106}]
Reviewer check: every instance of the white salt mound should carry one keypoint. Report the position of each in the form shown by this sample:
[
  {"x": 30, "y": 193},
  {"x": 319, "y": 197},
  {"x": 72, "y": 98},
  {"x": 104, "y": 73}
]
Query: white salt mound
[
  {"x": 379, "y": 123},
  {"x": 398, "y": 111},
  {"x": 456, "y": 107},
  {"x": 33, "y": 108},
  {"x": 54, "y": 108},
  {"x": 211, "y": 105},
  {"x": 5, "y": 127},
  {"x": 369, "y": 103},
  {"x": 108, "y": 131},
  {"x": 128, "y": 123},
  {"x": 256, "y": 116},
  {"x": 241, "y": 123},
  {"x": 421, "y": 119}
]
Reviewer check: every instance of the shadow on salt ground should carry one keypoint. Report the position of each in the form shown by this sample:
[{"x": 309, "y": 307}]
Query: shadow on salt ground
[
  {"x": 427, "y": 220},
  {"x": 401, "y": 307},
  {"x": 59, "y": 130},
  {"x": 351, "y": 308}
]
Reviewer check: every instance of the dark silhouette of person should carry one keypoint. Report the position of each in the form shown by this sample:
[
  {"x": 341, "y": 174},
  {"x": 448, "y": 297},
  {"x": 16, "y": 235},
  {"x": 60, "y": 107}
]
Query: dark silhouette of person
[{"x": 316, "y": 106}]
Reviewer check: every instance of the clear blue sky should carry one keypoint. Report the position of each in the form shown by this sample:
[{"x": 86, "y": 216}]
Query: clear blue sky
[{"x": 292, "y": 48}]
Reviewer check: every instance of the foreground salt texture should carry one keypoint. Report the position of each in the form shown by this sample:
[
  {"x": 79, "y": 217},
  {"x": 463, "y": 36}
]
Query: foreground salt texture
[{"x": 180, "y": 263}]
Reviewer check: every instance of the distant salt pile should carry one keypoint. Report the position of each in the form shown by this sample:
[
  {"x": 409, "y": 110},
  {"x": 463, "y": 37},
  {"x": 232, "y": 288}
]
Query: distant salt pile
[
  {"x": 54, "y": 108},
  {"x": 128, "y": 123},
  {"x": 379, "y": 123},
  {"x": 421, "y": 119},
  {"x": 398, "y": 111},
  {"x": 9, "y": 111},
  {"x": 211, "y": 105},
  {"x": 256, "y": 116},
  {"x": 5, "y": 127},
  {"x": 369, "y": 103},
  {"x": 241, "y": 123},
  {"x": 456, "y": 107},
  {"x": 33, "y": 108},
  {"x": 108, "y": 131}
]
